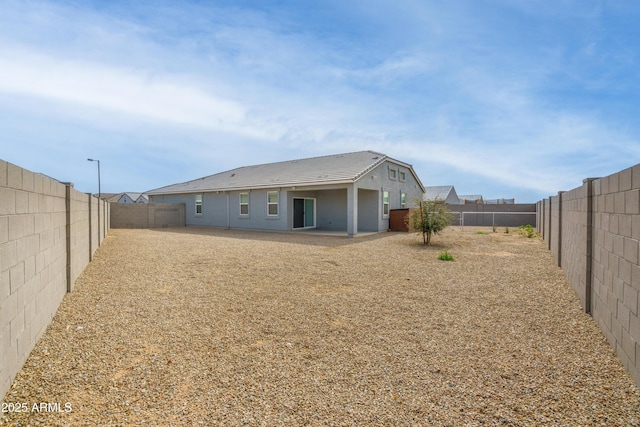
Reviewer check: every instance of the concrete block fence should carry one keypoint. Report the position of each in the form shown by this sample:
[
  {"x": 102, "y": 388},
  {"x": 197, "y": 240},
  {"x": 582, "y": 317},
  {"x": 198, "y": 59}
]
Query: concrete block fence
[
  {"x": 48, "y": 234},
  {"x": 593, "y": 232},
  {"x": 147, "y": 215}
]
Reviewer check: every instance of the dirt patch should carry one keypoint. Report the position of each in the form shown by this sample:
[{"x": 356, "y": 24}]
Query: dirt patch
[{"x": 215, "y": 327}]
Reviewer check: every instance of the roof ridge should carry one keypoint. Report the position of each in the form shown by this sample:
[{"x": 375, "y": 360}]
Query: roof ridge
[{"x": 372, "y": 166}]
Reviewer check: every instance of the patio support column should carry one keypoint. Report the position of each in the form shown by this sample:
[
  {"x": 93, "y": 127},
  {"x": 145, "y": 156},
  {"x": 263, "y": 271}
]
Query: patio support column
[{"x": 352, "y": 210}]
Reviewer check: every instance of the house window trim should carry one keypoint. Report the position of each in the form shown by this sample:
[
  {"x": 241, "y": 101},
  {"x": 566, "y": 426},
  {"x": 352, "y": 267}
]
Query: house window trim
[
  {"x": 247, "y": 204},
  {"x": 393, "y": 173},
  {"x": 386, "y": 204},
  {"x": 198, "y": 203},
  {"x": 402, "y": 176},
  {"x": 403, "y": 200},
  {"x": 276, "y": 204}
]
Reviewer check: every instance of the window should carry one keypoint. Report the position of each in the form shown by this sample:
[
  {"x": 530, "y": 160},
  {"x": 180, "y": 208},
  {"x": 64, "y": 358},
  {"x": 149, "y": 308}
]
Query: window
[
  {"x": 272, "y": 203},
  {"x": 392, "y": 174},
  {"x": 198, "y": 204},
  {"x": 403, "y": 176},
  {"x": 385, "y": 203},
  {"x": 403, "y": 200},
  {"x": 244, "y": 203}
]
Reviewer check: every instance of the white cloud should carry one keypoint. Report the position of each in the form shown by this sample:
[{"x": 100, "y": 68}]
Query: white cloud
[{"x": 141, "y": 93}]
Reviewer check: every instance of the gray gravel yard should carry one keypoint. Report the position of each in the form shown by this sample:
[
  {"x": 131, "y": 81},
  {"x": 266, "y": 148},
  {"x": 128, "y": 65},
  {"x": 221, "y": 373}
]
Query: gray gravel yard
[{"x": 218, "y": 327}]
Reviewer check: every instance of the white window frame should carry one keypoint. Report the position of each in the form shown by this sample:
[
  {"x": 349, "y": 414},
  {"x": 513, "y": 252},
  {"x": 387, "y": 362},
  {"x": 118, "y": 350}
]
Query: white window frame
[
  {"x": 403, "y": 200},
  {"x": 385, "y": 204},
  {"x": 276, "y": 204},
  {"x": 247, "y": 204},
  {"x": 198, "y": 204}
]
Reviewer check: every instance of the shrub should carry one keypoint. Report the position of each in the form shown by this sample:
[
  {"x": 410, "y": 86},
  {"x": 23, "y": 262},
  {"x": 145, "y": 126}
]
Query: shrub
[
  {"x": 445, "y": 256},
  {"x": 528, "y": 231},
  {"x": 432, "y": 218}
]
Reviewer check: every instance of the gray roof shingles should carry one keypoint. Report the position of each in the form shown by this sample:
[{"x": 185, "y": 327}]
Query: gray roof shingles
[
  {"x": 439, "y": 192},
  {"x": 337, "y": 168}
]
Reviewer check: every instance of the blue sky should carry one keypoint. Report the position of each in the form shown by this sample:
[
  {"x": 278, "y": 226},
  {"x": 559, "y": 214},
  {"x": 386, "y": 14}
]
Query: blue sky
[{"x": 500, "y": 98}]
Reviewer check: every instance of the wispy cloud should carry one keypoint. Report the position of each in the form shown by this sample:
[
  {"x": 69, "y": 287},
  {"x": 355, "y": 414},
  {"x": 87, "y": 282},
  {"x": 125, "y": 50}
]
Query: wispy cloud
[{"x": 134, "y": 92}]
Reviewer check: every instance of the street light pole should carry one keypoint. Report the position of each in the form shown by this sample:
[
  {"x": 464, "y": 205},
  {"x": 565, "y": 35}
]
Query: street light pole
[{"x": 99, "y": 197}]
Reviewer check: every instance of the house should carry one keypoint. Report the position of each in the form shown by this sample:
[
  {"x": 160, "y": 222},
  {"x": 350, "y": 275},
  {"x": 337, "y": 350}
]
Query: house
[
  {"x": 352, "y": 192},
  {"x": 442, "y": 192},
  {"x": 128, "y": 198}
]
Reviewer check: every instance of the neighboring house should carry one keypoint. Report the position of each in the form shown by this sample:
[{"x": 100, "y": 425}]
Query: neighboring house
[
  {"x": 475, "y": 199},
  {"x": 129, "y": 198},
  {"x": 442, "y": 192},
  {"x": 351, "y": 192}
]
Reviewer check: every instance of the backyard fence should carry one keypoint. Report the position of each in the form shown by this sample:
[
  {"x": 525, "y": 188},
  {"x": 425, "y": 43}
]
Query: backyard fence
[
  {"x": 147, "y": 215},
  {"x": 593, "y": 232},
  {"x": 494, "y": 219},
  {"x": 48, "y": 234},
  {"x": 498, "y": 215}
]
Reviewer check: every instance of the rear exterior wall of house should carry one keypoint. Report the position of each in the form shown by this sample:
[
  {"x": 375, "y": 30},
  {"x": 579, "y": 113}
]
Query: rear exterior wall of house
[{"x": 388, "y": 186}]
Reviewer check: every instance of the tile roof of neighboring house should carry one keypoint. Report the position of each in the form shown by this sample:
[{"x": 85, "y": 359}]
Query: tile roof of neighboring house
[
  {"x": 109, "y": 196},
  {"x": 136, "y": 196},
  {"x": 113, "y": 197},
  {"x": 439, "y": 192},
  {"x": 132, "y": 196},
  {"x": 332, "y": 169}
]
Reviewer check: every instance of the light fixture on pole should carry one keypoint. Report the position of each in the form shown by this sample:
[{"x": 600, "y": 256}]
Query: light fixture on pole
[
  {"x": 99, "y": 196},
  {"x": 92, "y": 160}
]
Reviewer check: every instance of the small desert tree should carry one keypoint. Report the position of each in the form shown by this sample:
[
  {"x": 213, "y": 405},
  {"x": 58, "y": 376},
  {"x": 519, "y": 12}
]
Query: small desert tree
[{"x": 432, "y": 217}]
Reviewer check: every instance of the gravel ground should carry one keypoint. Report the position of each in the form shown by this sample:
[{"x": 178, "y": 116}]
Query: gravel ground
[{"x": 218, "y": 327}]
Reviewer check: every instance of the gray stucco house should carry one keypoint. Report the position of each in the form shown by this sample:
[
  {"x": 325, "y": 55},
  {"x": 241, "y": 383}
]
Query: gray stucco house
[{"x": 352, "y": 192}]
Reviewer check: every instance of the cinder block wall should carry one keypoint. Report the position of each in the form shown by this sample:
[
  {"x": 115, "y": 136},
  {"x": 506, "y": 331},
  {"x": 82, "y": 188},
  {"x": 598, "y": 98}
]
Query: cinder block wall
[
  {"x": 573, "y": 245},
  {"x": 147, "y": 215},
  {"x": 45, "y": 243},
  {"x": 554, "y": 227},
  {"x": 594, "y": 234}
]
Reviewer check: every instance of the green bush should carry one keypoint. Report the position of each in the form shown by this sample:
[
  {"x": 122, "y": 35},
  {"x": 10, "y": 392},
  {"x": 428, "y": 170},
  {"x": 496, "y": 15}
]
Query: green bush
[
  {"x": 445, "y": 256},
  {"x": 432, "y": 218},
  {"x": 528, "y": 231}
]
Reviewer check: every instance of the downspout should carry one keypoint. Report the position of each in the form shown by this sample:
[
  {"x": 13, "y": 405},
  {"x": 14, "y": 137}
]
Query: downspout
[{"x": 228, "y": 211}]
